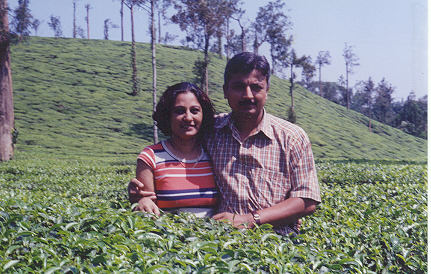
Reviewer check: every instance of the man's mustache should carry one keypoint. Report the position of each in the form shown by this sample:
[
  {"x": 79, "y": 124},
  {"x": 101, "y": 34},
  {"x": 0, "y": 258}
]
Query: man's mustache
[{"x": 247, "y": 103}]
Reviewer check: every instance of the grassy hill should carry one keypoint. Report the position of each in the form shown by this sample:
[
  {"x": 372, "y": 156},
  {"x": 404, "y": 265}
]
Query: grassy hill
[{"x": 71, "y": 100}]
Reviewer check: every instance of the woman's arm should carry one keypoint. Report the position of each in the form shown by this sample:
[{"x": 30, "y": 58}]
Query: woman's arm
[{"x": 144, "y": 175}]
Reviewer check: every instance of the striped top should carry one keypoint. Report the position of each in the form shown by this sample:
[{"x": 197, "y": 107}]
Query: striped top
[{"x": 180, "y": 183}]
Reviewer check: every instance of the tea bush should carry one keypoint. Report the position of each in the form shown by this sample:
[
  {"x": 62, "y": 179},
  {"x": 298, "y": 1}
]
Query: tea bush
[{"x": 73, "y": 216}]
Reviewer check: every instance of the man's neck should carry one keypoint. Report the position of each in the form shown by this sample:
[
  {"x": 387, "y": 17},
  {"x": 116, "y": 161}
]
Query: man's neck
[{"x": 247, "y": 125}]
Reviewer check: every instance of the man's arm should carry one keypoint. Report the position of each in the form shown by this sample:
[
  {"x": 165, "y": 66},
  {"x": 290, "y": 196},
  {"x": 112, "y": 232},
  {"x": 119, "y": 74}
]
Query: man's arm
[
  {"x": 285, "y": 212},
  {"x": 136, "y": 191}
]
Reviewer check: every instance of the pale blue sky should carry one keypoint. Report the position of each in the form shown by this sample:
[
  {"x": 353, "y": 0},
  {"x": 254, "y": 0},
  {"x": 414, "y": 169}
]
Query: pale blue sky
[{"x": 388, "y": 36}]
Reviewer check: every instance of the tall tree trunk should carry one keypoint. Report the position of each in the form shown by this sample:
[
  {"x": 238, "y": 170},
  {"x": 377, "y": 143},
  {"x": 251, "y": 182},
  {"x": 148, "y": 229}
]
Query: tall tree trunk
[
  {"x": 133, "y": 52},
  {"x": 153, "y": 63},
  {"x": 255, "y": 45},
  {"x": 74, "y": 19},
  {"x": 347, "y": 88},
  {"x": 160, "y": 28},
  {"x": 369, "y": 115},
  {"x": 292, "y": 104},
  {"x": 243, "y": 43},
  {"x": 6, "y": 94},
  {"x": 219, "y": 45},
  {"x": 88, "y": 21},
  {"x": 227, "y": 39},
  {"x": 204, "y": 80},
  {"x": 320, "y": 81},
  {"x": 122, "y": 21}
]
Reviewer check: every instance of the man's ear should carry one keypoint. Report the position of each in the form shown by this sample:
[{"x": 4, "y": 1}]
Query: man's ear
[{"x": 224, "y": 91}]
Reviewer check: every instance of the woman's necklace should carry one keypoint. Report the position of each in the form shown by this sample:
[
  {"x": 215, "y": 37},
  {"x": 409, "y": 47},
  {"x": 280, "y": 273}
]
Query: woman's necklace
[{"x": 175, "y": 152}]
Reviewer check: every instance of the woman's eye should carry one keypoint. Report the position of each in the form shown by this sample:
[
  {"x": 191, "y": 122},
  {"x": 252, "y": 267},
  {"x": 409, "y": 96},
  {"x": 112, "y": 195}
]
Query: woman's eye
[
  {"x": 179, "y": 111},
  {"x": 195, "y": 110}
]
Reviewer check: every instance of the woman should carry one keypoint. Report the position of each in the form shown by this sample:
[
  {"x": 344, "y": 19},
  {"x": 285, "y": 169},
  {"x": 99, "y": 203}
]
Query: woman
[{"x": 178, "y": 169}]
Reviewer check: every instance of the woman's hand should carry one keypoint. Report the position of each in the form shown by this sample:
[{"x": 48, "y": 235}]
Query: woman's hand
[
  {"x": 238, "y": 221},
  {"x": 147, "y": 205}
]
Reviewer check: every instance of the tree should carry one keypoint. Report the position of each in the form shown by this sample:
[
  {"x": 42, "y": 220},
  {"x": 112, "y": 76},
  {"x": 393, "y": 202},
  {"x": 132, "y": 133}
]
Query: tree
[
  {"x": 87, "y": 19},
  {"x": 342, "y": 89},
  {"x": 122, "y": 19},
  {"x": 201, "y": 19},
  {"x": 80, "y": 32},
  {"x": 107, "y": 24},
  {"x": 323, "y": 58},
  {"x": 6, "y": 91},
  {"x": 55, "y": 24},
  {"x": 35, "y": 25},
  {"x": 74, "y": 19},
  {"x": 382, "y": 108},
  {"x": 412, "y": 117},
  {"x": 308, "y": 71},
  {"x": 271, "y": 26},
  {"x": 362, "y": 101},
  {"x": 243, "y": 36},
  {"x": 153, "y": 65},
  {"x": 161, "y": 6},
  {"x": 22, "y": 19},
  {"x": 292, "y": 61},
  {"x": 350, "y": 60},
  {"x": 135, "y": 85}
]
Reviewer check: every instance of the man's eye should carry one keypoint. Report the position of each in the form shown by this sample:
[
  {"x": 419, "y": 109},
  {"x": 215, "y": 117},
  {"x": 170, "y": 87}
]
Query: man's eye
[
  {"x": 237, "y": 86},
  {"x": 256, "y": 87}
]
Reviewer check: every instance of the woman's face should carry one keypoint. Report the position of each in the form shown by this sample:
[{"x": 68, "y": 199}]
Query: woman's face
[{"x": 186, "y": 116}]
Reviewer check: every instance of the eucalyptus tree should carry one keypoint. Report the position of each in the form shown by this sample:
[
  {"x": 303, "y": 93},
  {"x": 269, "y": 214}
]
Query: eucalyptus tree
[
  {"x": 122, "y": 19},
  {"x": 289, "y": 59},
  {"x": 131, "y": 4},
  {"x": 202, "y": 19},
  {"x": 35, "y": 25},
  {"x": 7, "y": 128},
  {"x": 107, "y": 24},
  {"x": 87, "y": 19},
  {"x": 308, "y": 71},
  {"x": 271, "y": 25},
  {"x": 382, "y": 108},
  {"x": 22, "y": 19},
  {"x": 55, "y": 24},
  {"x": 350, "y": 60},
  {"x": 323, "y": 58},
  {"x": 362, "y": 100},
  {"x": 153, "y": 64},
  {"x": 74, "y": 32},
  {"x": 244, "y": 30},
  {"x": 150, "y": 7}
]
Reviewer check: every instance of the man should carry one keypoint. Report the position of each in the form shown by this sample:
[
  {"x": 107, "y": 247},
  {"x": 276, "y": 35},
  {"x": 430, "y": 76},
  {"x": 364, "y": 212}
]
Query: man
[{"x": 263, "y": 165}]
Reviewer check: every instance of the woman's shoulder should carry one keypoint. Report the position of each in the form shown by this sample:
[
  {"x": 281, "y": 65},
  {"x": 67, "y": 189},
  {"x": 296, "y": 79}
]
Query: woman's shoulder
[{"x": 154, "y": 148}]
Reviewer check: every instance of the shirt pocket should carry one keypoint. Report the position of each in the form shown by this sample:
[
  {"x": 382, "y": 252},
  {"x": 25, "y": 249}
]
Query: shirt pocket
[{"x": 268, "y": 187}]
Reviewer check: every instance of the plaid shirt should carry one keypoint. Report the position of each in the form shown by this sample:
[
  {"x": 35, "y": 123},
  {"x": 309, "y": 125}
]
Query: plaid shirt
[{"x": 268, "y": 167}]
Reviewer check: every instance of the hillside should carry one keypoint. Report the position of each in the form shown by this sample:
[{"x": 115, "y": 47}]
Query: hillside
[{"x": 71, "y": 100}]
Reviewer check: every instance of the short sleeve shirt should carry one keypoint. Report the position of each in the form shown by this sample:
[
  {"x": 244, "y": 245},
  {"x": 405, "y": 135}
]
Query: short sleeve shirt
[
  {"x": 272, "y": 165},
  {"x": 180, "y": 183}
]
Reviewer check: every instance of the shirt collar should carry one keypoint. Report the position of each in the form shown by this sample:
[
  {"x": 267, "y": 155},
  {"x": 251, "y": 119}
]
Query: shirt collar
[{"x": 264, "y": 126}]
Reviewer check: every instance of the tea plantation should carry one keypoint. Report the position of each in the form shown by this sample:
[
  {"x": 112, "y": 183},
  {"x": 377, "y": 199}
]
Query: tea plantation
[
  {"x": 63, "y": 199},
  {"x": 73, "y": 216}
]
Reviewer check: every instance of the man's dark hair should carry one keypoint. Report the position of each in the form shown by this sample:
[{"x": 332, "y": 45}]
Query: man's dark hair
[
  {"x": 245, "y": 63},
  {"x": 164, "y": 108}
]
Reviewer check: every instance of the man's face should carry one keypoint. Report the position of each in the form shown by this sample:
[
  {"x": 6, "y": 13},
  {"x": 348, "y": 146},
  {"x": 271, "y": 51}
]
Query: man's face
[{"x": 246, "y": 94}]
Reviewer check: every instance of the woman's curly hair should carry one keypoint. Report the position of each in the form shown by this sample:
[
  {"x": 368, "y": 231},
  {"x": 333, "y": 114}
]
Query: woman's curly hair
[{"x": 164, "y": 108}]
